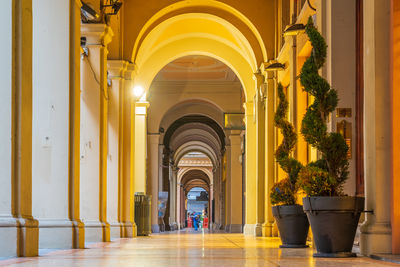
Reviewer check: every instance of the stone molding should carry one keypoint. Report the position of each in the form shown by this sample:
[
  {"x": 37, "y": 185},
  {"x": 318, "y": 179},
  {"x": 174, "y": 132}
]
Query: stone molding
[{"x": 96, "y": 34}]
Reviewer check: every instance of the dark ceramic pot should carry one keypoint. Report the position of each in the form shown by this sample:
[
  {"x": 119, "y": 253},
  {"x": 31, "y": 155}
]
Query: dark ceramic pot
[
  {"x": 292, "y": 225},
  {"x": 334, "y": 222}
]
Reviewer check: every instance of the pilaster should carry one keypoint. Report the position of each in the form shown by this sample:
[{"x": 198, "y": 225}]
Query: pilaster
[
  {"x": 128, "y": 118},
  {"x": 234, "y": 224},
  {"x": 153, "y": 171},
  {"x": 95, "y": 94},
  {"x": 260, "y": 151},
  {"x": 269, "y": 101},
  {"x": 27, "y": 233},
  {"x": 116, "y": 73},
  {"x": 141, "y": 145},
  {"x": 251, "y": 159}
]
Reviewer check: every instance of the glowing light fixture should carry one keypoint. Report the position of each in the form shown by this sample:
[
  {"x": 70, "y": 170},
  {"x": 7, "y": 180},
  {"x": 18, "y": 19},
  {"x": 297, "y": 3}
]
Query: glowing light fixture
[{"x": 138, "y": 91}]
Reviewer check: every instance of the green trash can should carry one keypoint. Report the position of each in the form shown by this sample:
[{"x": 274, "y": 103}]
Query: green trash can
[{"x": 143, "y": 214}]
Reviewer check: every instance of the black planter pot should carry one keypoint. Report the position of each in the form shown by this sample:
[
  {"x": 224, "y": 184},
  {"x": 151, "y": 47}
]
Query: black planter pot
[
  {"x": 292, "y": 224},
  {"x": 334, "y": 223}
]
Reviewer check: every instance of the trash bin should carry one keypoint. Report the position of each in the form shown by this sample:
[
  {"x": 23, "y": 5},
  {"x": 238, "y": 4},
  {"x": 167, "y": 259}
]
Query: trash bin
[{"x": 143, "y": 214}]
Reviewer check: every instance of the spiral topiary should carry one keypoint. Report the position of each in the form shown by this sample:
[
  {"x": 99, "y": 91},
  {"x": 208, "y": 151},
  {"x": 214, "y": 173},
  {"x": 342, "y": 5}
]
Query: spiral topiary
[
  {"x": 326, "y": 176},
  {"x": 284, "y": 192}
]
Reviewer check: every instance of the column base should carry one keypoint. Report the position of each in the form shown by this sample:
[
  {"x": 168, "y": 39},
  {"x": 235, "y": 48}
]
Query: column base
[
  {"x": 173, "y": 226},
  {"x": 28, "y": 237},
  {"x": 155, "y": 228},
  {"x": 9, "y": 235},
  {"x": 127, "y": 229},
  {"x": 253, "y": 229},
  {"x": 93, "y": 231},
  {"x": 234, "y": 228},
  {"x": 375, "y": 238},
  {"x": 267, "y": 229},
  {"x": 70, "y": 234},
  {"x": 115, "y": 230}
]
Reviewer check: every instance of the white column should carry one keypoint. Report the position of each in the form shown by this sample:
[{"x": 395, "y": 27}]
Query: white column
[
  {"x": 128, "y": 116},
  {"x": 93, "y": 101},
  {"x": 140, "y": 146},
  {"x": 50, "y": 126},
  {"x": 153, "y": 151},
  {"x": 172, "y": 189},
  {"x": 116, "y": 72},
  {"x": 235, "y": 185},
  {"x": 376, "y": 230}
]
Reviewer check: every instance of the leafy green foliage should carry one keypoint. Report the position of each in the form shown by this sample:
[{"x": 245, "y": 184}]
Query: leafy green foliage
[
  {"x": 326, "y": 176},
  {"x": 284, "y": 192},
  {"x": 316, "y": 182}
]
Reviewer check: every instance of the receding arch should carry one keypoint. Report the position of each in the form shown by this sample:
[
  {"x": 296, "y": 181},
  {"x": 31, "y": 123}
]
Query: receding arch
[
  {"x": 196, "y": 146},
  {"x": 193, "y": 118},
  {"x": 230, "y": 47}
]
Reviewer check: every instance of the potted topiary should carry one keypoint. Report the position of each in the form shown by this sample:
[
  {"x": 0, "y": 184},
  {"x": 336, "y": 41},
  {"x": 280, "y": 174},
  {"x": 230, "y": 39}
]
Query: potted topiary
[
  {"x": 333, "y": 216},
  {"x": 291, "y": 220}
]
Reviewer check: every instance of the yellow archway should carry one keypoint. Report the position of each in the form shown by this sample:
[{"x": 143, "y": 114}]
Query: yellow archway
[
  {"x": 196, "y": 34},
  {"x": 172, "y": 33}
]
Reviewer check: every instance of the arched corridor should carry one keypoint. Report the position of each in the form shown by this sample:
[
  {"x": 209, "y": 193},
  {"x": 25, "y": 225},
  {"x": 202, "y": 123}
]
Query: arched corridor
[{"x": 124, "y": 118}]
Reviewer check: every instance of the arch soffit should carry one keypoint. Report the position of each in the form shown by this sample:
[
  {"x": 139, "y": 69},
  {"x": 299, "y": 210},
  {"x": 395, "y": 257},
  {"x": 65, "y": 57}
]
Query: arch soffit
[
  {"x": 241, "y": 58},
  {"x": 185, "y": 170},
  {"x": 194, "y": 107},
  {"x": 195, "y": 45},
  {"x": 215, "y": 8},
  {"x": 195, "y": 175},
  {"x": 192, "y": 132},
  {"x": 193, "y": 119},
  {"x": 196, "y": 146}
]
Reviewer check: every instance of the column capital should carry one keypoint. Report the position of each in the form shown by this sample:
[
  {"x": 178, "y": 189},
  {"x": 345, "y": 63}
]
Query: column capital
[
  {"x": 130, "y": 71},
  {"x": 259, "y": 78},
  {"x": 96, "y": 34},
  {"x": 141, "y": 108},
  {"x": 117, "y": 68}
]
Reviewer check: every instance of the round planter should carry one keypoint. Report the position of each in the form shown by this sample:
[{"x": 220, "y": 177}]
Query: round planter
[
  {"x": 292, "y": 225},
  {"x": 334, "y": 223}
]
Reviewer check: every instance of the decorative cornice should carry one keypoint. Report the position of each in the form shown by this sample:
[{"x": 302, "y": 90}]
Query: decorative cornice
[
  {"x": 117, "y": 68},
  {"x": 141, "y": 108},
  {"x": 130, "y": 71},
  {"x": 96, "y": 34}
]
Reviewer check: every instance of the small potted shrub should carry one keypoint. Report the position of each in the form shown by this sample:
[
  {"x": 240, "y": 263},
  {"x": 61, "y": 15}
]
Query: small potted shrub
[
  {"x": 291, "y": 220},
  {"x": 333, "y": 216}
]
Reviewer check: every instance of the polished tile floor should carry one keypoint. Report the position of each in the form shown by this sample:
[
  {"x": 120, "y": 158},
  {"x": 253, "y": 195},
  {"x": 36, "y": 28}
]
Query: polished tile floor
[{"x": 188, "y": 249}]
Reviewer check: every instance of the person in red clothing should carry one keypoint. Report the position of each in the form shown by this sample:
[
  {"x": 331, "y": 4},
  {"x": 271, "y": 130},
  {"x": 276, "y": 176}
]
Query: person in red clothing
[
  {"x": 205, "y": 222},
  {"x": 189, "y": 221}
]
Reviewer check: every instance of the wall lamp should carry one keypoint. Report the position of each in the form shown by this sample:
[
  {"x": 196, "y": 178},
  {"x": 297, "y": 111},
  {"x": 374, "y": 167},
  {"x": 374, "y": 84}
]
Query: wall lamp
[
  {"x": 274, "y": 65},
  {"x": 88, "y": 14},
  {"x": 139, "y": 93},
  {"x": 294, "y": 29}
]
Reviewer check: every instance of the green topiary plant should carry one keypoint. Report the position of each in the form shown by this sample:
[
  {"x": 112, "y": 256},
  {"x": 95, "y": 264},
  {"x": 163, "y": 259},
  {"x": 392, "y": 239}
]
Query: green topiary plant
[
  {"x": 284, "y": 192},
  {"x": 326, "y": 176}
]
